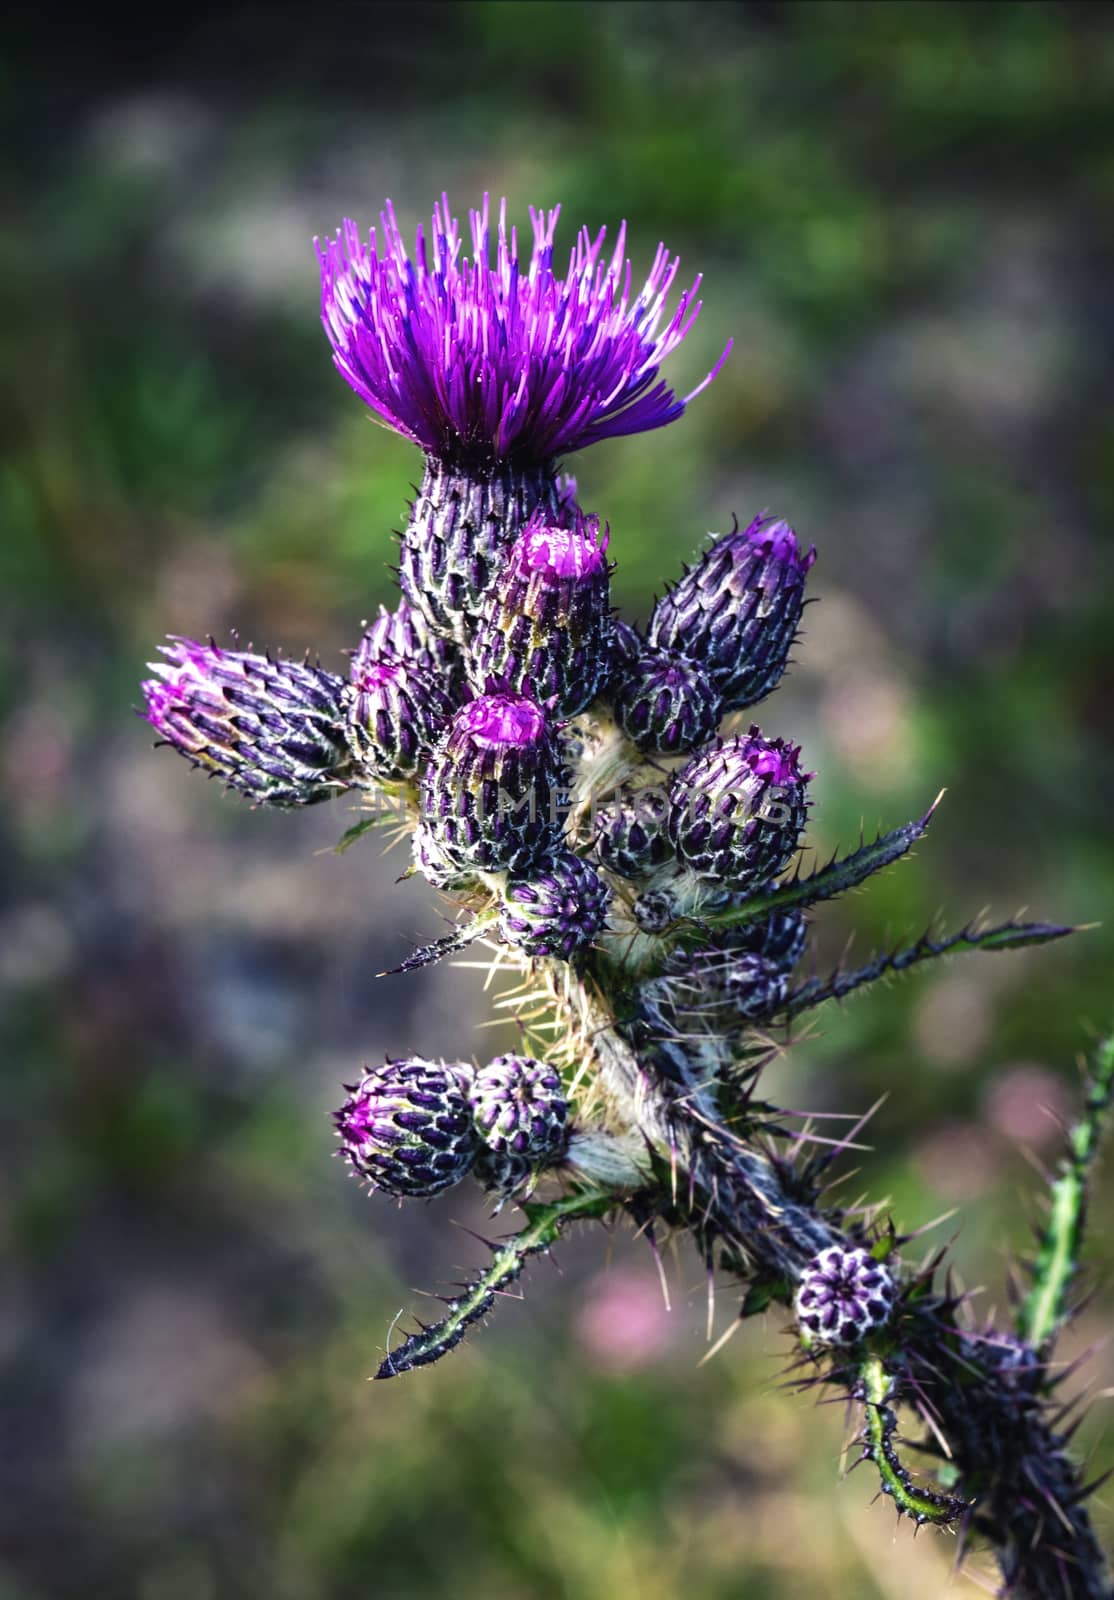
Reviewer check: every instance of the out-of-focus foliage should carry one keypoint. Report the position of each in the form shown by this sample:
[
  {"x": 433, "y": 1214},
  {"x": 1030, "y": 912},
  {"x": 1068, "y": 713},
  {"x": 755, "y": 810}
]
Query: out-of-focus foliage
[{"x": 902, "y": 214}]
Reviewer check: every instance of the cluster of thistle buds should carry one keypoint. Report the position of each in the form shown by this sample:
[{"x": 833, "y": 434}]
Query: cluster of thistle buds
[{"x": 602, "y": 810}]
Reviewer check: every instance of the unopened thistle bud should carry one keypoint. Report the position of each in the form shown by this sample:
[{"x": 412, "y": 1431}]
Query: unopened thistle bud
[
  {"x": 739, "y": 809},
  {"x": 665, "y": 703},
  {"x": 272, "y": 729},
  {"x": 395, "y": 714},
  {"x": 630, "y": 837},
  {"x": 843, "y": 1296},
  {"x": 407, "y": 1127},
  {"x": 403, "y": 635},
  {"x": 490, "y": 794},
  {"x": 557, "y": 910},
  {"x": 737, "y": 610},
  {"x": 520, "y": 1109},
  {"x": 546, "y": 624}
]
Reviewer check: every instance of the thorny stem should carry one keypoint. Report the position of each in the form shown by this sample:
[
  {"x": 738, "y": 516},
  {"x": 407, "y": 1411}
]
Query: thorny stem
[{"x": 1008, "y": 1460}]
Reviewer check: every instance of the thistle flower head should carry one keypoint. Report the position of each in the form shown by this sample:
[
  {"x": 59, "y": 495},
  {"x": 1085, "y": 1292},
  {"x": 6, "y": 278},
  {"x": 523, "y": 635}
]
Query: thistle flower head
[
  {"x": 407, "y": 1127},
  {"x": 665, "y": 703},
  {"x": 395, "y": 712},
  {"x": 489, "y": 794},
  {"x": 737, "y": 610},
  {"x": 402, "y": 635},
  {"x": 519, "y": 1108},
  {"x": 738, "y": 809},
  {"x": 844, "y": 1295},
  {"x": 557, "y": 910},
  {"x": 497, "y": 356},
  {"x": 272, "y": 729},
  {"x": 545, "y": 625}
]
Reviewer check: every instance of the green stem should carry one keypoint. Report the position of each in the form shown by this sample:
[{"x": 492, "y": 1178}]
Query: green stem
[{"x": 1045, "y": 1308}]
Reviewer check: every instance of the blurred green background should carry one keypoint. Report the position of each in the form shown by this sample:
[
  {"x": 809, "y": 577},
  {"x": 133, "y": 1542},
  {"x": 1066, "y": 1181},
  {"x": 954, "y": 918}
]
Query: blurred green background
[{"x": 903, "y": 215}]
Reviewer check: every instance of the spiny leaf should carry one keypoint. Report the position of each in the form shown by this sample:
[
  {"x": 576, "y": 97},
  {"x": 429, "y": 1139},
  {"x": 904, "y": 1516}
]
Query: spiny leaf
[
  {"x": 425, "y": 955},
  {"x": 841, "y": 874},
  {"x": 880, "y": 1426},
  {"x": 356, "y": 831},
  {"x": 1006, "y": 936},
  {"x": 546, "y": 1223}
]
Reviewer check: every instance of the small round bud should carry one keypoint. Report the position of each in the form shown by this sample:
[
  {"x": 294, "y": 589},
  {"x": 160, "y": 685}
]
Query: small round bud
[
  {"x": 844, "y": 1295},
  {"x": 395, "y": 714},
  {"x": 630, "y": 837},
  {"x": 739, "y": 809},
  {"x": 665, "y": 703},
  {"x": 559, "y": 909},
  {"x": 407, "y": 1127},
  {"x": 520, "y": 1109},
  {"x": 737, "y": 610},
  {"x": 545, "y": 627},
  {"x": 655, "y": 910},
  {"x": 273, "y": 729},
  {"x": 490, "y": 793}
]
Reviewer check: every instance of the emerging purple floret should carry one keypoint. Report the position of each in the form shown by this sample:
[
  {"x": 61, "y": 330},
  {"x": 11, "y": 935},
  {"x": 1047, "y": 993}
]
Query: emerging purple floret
[
  {"x": 843, "y": 1296},
  {"x": 467, "y": 357}
]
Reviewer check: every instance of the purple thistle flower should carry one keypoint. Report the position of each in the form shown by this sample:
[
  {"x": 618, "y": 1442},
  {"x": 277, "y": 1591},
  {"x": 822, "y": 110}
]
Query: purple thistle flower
[
  {"x": 402, "y": 635},
  {"x": 558, "y": 910},
  {"x": 467, "y": 357},
  {"x": 843, "y": 1296},
  {"x": 272, "y": 729},
  {"x": 666, "y": 703},
  {"x": 519, "y": 1108},
  {"x": 395, "y": 714}
]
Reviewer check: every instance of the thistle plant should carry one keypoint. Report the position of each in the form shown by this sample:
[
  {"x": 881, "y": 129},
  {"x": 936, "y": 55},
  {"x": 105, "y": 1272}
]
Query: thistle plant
[{"x": 610, "y": 822}]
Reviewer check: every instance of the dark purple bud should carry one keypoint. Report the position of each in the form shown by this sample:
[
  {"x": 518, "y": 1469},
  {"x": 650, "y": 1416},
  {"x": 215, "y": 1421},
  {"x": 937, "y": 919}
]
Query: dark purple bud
[
  {"x": 274, "y": 730},
  {"x": 407, "y": 1127},
  {"x": 404, "y": 635},
  {"x": 519, "y": 1108},
  {"x": 630, "y": 836},
  {"x": 843, "y": 1295},
  {"x": 546, "y": 622},
  {"x": 395, "y": 714},
  {"x": 739, "y": 808},
  {"x": 557, "y": 910},
  {"x": 737, "y": 610},
  {"x": 491, "y": 793},
  {"x": 665, "y": 703}
]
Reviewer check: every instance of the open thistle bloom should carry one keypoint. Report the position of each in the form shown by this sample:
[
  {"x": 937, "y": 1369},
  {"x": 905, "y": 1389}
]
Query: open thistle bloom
[
  {"x": 272, "y": 729},
  {"x": 495, "y": 367},
  {"x": 503, "y": 359}
]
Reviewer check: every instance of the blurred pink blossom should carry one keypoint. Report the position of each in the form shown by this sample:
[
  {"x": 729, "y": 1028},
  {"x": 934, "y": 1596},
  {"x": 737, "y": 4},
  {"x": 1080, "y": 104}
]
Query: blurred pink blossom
[{"x": 624, "y": 1324}]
